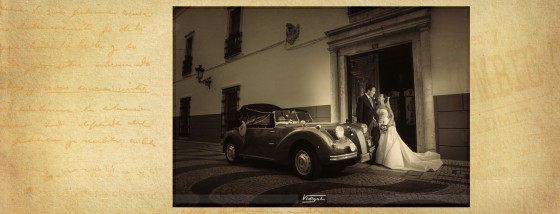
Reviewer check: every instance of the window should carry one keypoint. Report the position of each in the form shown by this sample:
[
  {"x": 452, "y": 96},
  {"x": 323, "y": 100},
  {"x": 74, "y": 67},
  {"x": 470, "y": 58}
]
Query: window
[
  {"x": 230, "y": 105},
  {"x": 188, "y": 62},
  {"x": 233, "y": 41}
]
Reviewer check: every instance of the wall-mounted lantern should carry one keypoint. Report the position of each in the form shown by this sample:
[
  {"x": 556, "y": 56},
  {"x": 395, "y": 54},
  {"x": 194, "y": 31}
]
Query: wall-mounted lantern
[{"x": 200, "y": 74}]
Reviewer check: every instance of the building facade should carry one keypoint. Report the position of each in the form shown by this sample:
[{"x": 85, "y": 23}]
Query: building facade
[{"x": 319, "y": 59}]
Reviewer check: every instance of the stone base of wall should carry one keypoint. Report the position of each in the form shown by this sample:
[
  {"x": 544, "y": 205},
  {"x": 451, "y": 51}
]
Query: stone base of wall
[
  {"x": 452, "y": 126},
  {"x": 206, "y": 128}
]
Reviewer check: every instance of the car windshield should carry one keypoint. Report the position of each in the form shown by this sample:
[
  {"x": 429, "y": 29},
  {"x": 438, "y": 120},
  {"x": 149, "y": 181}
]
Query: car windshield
[
  {"x": 304, "y": 116},
  {"x": 293, "y": 116}
]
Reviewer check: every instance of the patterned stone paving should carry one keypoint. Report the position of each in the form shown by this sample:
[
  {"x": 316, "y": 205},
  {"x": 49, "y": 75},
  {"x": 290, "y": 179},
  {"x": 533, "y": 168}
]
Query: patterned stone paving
[
  {"x": 452, "y": 171},
  {"x": 202, "y": 177}
]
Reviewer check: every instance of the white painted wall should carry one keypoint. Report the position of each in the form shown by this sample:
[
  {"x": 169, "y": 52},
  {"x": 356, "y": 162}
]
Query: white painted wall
[
  {"x": 208, "y": 42},
  {"x": 287, "y": 78},
  {"x": 300, "y": 77},
  {"x": 450, "y": 50},
  {"x": 264, "y": 26}
]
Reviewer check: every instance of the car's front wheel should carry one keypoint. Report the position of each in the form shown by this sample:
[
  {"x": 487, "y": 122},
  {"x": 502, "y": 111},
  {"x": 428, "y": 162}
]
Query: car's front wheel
[
  {"x": 305, "y": 162},
  {"x": 232, "y": 155}
]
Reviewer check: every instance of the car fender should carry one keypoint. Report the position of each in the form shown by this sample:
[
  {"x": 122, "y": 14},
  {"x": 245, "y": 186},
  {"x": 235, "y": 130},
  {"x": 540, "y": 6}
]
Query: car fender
[
  {"x": 318, "y": 140},
  {"x": 361, "y": 143},
  {"x": 235, "y": 137}
]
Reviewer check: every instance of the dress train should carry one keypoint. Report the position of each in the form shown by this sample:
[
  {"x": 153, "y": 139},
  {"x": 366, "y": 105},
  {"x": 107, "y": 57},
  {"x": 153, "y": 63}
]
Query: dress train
[{"x": 395, "y": 154}]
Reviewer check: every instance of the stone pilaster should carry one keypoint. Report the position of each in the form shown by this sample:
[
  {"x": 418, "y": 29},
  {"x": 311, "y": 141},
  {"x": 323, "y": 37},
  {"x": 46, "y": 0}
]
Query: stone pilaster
[
  {"x": 418, "y": 95},
  {"x": 429, "y": 126},
  {"x": 343, "y": 98},
  {"x": 335, "y": 88}
]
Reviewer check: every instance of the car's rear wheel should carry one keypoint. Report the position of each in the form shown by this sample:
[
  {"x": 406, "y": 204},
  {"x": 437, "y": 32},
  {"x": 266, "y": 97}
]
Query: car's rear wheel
[
  {"x": 232, "y": 155},
  {"x": 305, "y": 162}
]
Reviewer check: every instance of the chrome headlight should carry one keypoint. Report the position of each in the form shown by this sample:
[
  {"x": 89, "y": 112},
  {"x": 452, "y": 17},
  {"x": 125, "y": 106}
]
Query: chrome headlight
[{"x": 339, "y": 131}]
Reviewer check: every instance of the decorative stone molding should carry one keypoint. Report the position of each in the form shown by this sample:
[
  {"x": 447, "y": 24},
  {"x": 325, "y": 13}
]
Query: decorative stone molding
[
  {"x": 400, "y": 20},
  {"x": 424, "y": 27}
]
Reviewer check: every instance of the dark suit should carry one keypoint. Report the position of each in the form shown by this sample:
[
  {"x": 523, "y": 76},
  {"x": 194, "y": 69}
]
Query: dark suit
[{"x": 365, "y": 112}]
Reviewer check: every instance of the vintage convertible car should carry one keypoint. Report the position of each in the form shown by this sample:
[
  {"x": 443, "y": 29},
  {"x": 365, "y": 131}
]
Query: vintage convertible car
[{"x": 290, "y": 137}]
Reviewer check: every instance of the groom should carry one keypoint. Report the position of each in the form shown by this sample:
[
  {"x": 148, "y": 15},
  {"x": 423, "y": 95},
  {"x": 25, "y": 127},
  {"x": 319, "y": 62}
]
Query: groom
[{"x": 365, "y": 112}]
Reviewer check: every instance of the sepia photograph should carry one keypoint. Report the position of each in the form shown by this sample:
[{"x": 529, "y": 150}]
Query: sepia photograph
[
  {"x": 321, "y": 107},
  {"x": 279, "y": 107}
]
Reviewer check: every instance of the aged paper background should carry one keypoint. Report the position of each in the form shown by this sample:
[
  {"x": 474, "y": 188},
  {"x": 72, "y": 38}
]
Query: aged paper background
[{"x": 86, "y": 106}]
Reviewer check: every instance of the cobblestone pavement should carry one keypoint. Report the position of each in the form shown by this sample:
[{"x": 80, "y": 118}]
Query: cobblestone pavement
[{"x": 202, "y": 177}]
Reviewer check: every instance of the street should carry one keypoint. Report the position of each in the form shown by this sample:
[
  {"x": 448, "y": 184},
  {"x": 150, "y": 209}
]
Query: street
[{"x": 203, "y": 178}]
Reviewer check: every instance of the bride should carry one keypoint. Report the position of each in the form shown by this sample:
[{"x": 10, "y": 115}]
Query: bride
[{"x": 392, "y": 151}]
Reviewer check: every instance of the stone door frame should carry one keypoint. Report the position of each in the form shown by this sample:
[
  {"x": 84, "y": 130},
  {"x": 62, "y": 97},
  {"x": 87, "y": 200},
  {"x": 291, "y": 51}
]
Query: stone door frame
[{"x": 382, "y": 29}]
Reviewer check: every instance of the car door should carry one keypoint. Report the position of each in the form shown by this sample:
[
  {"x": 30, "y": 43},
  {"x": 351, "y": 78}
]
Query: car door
[
  {"x": 261, "y": 142},
  {"x": 261, "y": 138}
]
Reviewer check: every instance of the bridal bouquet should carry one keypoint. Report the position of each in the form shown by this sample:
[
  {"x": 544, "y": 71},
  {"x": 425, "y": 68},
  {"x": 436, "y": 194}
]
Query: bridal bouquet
[{"x": 383, "y": 127}]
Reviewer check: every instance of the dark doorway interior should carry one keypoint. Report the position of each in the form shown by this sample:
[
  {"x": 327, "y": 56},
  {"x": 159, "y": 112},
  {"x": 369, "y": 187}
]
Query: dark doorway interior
[
  {"x": 396, "y": 79},
  {"x": 230, "y": 105},
  {"x": 391, "y": 71},
  {"x": 185, "y": 111}
]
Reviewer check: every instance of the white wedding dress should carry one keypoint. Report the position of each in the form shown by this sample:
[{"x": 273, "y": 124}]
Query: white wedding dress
[{"x": 392, "y": 152}]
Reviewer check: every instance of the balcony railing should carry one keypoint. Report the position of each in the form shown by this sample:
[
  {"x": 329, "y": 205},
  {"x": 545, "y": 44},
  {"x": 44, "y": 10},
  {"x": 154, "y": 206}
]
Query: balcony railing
[{"x": 232, "y": 45}]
